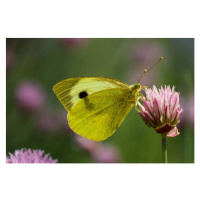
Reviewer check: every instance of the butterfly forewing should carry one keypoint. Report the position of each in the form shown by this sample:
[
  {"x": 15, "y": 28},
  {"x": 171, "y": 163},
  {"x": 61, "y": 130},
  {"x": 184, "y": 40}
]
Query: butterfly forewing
[{"x": 72, "y": 90}]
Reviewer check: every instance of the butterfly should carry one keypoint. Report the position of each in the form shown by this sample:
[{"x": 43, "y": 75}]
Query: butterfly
[{"x": 97, "y": 106}]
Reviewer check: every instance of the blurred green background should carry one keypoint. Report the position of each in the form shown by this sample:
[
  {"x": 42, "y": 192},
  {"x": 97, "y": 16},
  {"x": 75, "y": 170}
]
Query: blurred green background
[{"x": 37, "y": 120}]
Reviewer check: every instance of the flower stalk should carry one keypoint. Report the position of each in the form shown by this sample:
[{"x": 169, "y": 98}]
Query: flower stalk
[{"x": 164, "y": 148}]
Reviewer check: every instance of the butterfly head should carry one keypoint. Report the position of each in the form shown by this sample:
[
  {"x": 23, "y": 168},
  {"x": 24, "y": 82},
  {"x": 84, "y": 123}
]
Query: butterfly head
[{"x": 135, "y": 88}]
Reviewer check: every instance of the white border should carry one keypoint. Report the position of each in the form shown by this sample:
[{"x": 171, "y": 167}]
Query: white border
[{"x": 99, "y": 19}]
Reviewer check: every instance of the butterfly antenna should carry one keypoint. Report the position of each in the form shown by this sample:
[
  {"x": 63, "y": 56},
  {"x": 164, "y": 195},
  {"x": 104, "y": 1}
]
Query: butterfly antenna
[{"x": 145, "y": 71}]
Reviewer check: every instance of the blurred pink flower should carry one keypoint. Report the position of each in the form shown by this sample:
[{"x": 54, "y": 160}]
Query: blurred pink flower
[
  {"x": 29, "y": 156},
  {"x": 106, "y": 154},
  {"x": 29, "y": 96},
  {"x": 183, "y": 118},
  {"x": 47, "y": 121},
  {"x": 86, "y": 144},
  {"x": 9, "y": 59},
  {"x": 143, "y": 55},
  {"x": 63, "y": 124},
  {"x": 148, "y": 80},
  {"x": 146, "y": 51},
  {"x": 188, "y": 106},
  {"x": 161, "y": 110},
  {"x": 191, "y": 109},
  {"x": 74, "y": 41}
]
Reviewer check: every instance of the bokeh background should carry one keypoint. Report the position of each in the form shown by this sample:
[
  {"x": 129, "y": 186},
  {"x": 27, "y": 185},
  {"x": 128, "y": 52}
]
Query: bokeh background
[{"x": 37, "y": 120}]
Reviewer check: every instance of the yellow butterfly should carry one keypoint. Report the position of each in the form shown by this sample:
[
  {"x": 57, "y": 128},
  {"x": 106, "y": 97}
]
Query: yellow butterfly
[{"x": 97, "y": 106}]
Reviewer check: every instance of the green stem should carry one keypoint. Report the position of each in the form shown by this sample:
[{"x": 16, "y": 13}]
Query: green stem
[{"x": 164, "y": 148}]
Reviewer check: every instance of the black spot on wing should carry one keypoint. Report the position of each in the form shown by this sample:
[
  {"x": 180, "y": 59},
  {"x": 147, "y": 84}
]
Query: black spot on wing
[{"x": 83, "y": 94}]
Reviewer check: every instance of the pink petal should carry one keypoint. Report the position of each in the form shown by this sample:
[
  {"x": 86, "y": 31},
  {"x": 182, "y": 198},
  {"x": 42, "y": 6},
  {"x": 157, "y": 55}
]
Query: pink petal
[
  {"x": 167, "y": 115},
  {"x": 156, "y": 108},
  {"x": 161, "y": 107},
  {"x": 174, "y": 132},
  {"x": 174, "y": 114},
  {"x": 173, "y": 89},
  {"x": 158, "y": 122},
  {"x": 147, "y": 108},
  {"x": 149, "y": 118},
  {"x": 176, "y": 119},
  {"x": 144, "y": 119},
  {"x": 176, "y": 103},
  {"x": 13, "y": 158},
  {"x": 141, "y": 107},
  {"x": 171, "y": 103}
]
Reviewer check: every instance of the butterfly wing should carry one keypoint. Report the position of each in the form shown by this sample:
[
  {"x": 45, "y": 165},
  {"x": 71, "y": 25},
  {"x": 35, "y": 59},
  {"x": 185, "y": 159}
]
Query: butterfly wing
[
  {"x": 69, "y": 91},
  {"x": 97, "y": 116}
]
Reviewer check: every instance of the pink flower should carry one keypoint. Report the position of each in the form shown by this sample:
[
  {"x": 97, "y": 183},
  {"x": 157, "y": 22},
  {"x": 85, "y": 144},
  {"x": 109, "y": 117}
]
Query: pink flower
[
  {"x": 29, "y": 96},
  {"x": 86, "y": 144},
  {"x": 106, "y": 154},
  {"x": 144, "y": 51},
  {"x": 9, "y": 59},
  {"x": 47, "y": 121},
  {"x": 142, "y": 54},
  {"x": 191, "y": 109},
  {"x": 29, "y": 156},
  {"x": 61, "y": 118},
  {"x": 74, "y": 41},
  {"x": 161, "y": 110}
]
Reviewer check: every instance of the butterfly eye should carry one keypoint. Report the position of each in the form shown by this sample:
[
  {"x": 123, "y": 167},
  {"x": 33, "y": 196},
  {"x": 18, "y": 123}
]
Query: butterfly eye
[{"x": 83, "y": 94}]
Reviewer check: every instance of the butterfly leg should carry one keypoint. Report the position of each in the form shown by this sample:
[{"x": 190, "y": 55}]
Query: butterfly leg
[
  {"x": 136, "y": 109},
  {"x": 140, "y": 96}
]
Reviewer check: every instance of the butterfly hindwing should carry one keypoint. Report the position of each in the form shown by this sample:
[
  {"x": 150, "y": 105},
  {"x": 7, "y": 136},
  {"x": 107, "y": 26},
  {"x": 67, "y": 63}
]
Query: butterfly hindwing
[{"x": 97, "y": 115}]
